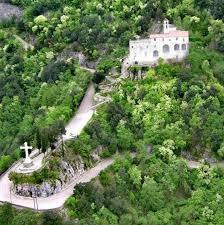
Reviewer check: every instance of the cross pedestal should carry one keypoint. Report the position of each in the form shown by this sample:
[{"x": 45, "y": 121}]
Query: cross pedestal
[{"x": 28, "y": 161}]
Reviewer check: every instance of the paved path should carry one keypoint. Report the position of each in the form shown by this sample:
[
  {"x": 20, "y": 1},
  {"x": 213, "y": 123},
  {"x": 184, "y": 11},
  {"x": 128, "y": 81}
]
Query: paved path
[
  {"x": 54, "y": 201},
  {"x": 57, "y": 200},
  {"x": 37, "y": 164},
  {"x": 82, "y": 116},
  {"x": 74, "y": 128}
]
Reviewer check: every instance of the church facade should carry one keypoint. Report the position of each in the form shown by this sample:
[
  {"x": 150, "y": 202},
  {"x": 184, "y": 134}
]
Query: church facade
[{"x": 171, "y": 45}]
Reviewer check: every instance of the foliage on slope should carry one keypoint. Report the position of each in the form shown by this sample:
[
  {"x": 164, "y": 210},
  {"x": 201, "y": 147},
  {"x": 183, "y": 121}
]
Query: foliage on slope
[
  {"x": 175, "y": 108},
  {"x": 171, "y": 103},
  {"x": 37, "y": 94},
  {"x": 149, "y": 191}
]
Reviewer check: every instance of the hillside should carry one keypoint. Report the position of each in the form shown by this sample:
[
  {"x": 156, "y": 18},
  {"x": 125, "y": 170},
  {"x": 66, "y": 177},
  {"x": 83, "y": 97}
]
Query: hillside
[{"x": 175, "y": 112}]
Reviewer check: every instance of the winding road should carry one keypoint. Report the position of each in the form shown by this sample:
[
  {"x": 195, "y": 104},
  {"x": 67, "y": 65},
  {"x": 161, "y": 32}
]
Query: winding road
[
  {"x": 54, "y": 201},
  {"x": 74, "y": 128},
  {"x": 83, "y": 115}
]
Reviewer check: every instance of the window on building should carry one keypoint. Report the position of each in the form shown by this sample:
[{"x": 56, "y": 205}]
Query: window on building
[
  {"x": 155, "y": 54},
  {"x": 166, "y": 48},
  {"x": 176, "y": 47},
  {"x": 177, "y": 39},
  {"x": 145, "y": 53},
  {"x": 154, "y": 39},
  {"x": 183, "y": 46}
]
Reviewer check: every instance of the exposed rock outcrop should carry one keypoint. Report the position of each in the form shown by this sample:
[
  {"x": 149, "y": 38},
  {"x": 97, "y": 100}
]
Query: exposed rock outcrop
[
  {"x": 67, "y": 174},
  {"x": 44, "y": 190},
  {"x": 79, "y": 56},
  {"x": 95, "y": 155},
  {"x": 8, "y": 11}
]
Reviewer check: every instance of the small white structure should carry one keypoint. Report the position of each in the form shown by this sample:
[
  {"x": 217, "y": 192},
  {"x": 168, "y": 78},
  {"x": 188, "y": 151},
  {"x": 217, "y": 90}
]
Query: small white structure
[
  {"x": 171, "y": 45},
  {"x": 29, "y": 165},
  {"x": 28, "y": 161}
]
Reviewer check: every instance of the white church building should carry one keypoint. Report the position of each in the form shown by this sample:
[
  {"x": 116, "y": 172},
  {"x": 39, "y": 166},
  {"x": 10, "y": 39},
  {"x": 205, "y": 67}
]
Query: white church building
[{"x": 172, "y": 45}]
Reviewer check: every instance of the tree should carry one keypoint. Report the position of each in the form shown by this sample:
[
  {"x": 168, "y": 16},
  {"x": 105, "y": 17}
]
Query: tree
[
  {"x": 125, "y": 136},
  {"x": 166, "y": 150},
  {"x": 135, "y": 176},
  {"x": 5, "y": 162},
  {"x": 98, "y": 77},
  {"x": 6, "y": 214},
  {"x": 221, "y": 151},
  {"x": 152, "y": 197},
  {"x": 25, "y": 217},
  {"x": 51, "y": 218},
  {"x": 205, "y": 173},
  {"x": 51, "y": 71},
  {"x": 104, "y": 216}
]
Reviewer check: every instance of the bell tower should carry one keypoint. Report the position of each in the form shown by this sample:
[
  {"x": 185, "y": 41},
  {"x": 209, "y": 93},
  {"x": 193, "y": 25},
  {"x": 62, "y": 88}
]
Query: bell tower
[{"x": 166, "y": 26}]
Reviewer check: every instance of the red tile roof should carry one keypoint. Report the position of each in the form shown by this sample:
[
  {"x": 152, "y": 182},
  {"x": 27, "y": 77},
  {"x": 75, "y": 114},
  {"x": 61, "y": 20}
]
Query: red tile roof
[{"x": 175, "y": 33}]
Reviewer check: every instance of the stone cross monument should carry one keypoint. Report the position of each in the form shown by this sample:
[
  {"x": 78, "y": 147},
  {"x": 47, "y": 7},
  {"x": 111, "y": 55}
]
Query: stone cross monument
[{"x": 28, "y": 161}]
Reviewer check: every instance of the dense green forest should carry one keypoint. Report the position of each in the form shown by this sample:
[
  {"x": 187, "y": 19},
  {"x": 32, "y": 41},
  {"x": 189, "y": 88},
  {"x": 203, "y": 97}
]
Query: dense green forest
[
  {"x": 147, "y": 190},
  {"x": 174, "y": 109}
]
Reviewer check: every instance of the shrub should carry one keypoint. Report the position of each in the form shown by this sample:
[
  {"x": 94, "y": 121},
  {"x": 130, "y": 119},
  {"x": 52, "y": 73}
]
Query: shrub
[{"x": 104, "y": 178}]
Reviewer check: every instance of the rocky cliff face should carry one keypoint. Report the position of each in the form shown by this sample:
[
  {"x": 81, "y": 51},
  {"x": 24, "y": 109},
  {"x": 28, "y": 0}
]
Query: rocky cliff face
[
  {"x": 83, "y": 61},
  {"x": 7, "y": 11},
  {"x": 67, "y": 174},
  {"x": 95, "y": 155}
]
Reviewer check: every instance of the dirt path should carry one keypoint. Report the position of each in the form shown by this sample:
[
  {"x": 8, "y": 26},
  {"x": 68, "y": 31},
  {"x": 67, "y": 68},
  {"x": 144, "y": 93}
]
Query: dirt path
[
  {"x": 88, "y": 69},
  {"x": 25, "y": 44}
]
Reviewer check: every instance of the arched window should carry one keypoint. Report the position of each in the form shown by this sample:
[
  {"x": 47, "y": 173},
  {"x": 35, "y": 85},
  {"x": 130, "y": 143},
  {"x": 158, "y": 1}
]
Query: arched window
[
  {"x": 183, "y": 46},
  {"x": 166, "y": 48},
  {"x": 155, "y": 54},
  {"x": 176, "y": 47}
]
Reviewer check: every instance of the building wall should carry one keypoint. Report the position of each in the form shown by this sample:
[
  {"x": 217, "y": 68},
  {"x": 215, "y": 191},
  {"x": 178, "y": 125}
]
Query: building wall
[{"x": 142, "y": 52}]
